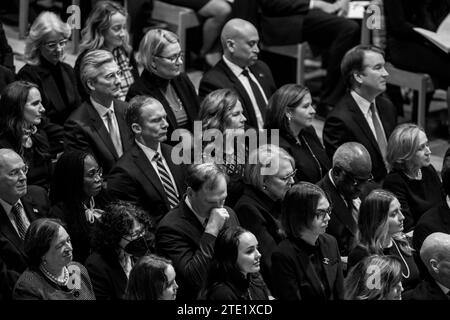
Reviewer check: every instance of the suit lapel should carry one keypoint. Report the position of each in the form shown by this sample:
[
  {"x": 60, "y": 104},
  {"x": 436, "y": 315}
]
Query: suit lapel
[
  {"x": 125, "y": 134},
  {"x": 7, "y": 229},
  {"x": 262, "y": 79},
  {"x": 146, "y": 167},
  {"x": 327, "y": 263},
  {"x": 388, "y": 124},
  {"x": 177, "y": 171},
  {"x": 99, "y": 127}
]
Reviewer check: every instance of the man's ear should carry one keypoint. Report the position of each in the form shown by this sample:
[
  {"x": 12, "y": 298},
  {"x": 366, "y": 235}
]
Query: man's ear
[
  {"x": 434, "y": 265},
  {"x": 189, "y": 192},
  {"x": 358, "y": 77},
  {"x": 136, "y": 128},
  {"x": 90, "y": 84},
  {"x": 230, "y": 45}
]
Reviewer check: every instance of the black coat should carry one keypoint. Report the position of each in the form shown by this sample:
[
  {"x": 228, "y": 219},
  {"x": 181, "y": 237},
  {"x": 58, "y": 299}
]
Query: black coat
[
  {"x": 220, "y": 76},
  {"x": 426, "y": 290},
  {"x": 437, "y": 219},
  {"x": 85, "y": 131},
  {"x": 294, "y": 276},
  {"x": 346, "y": 123},
  {"x": 134, "y": 179}
]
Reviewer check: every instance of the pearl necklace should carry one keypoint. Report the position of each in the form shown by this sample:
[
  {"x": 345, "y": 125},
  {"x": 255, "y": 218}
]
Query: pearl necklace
[
  {"x": 54, "y": 279},
  {"x": 404, "y": 261}
]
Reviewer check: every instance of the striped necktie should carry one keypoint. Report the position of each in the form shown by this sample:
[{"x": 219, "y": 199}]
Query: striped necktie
[
  {"x": 169, "y": 188},
  {"x": 380, "y": 135},
  {"x": 18, "y": 219}
]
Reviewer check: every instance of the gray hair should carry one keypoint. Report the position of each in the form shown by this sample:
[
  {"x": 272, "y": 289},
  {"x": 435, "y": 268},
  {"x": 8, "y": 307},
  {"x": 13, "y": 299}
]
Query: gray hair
[
  {"x": 91, "y": 63},
  {"x": 45, "y": 23},
  {"x": 153, "y": 44}
]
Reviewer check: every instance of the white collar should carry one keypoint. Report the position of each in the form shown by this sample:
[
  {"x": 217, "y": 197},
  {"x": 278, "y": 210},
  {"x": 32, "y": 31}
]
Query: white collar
[
  {"x": 362, "y": 103},
  {"x": 237, "y": 70},
  {"x": 149, "y": 151},
  {"x": 189, "y": 204},
  {"x": 101, "y": 109}
]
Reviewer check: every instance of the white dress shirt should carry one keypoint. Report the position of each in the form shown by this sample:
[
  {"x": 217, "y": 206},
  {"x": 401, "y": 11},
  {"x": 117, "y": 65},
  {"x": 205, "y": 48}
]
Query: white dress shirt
[{"x": 364, "y": 106}]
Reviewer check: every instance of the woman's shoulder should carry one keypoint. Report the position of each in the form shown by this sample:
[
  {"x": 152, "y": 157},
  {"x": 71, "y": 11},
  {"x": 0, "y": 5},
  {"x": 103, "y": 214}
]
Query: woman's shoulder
[{"x": 221, "y": 291}]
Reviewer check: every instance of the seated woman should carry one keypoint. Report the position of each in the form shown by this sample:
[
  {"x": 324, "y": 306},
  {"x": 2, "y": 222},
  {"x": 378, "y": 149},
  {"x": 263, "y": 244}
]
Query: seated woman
[
  {"x": 51, "y": 273},
  {"x": 380, "y": 232},
  {"x": 234, "y": 270},
  {"x": 21, "y": 129},
  {"x": 44, "y": 53},
  {"x": 290, "y": 110},
  {"x": 259, "y": 207},
  {"x": 77, "y": 197},
  {"x": 222, "y": 110},
  {"x": 412, "y": 178},
  {"x": 359, "y": 286},
  {"x": 215, "y": 13},
  {"x": 152, "y": 278},
  {"x": 123, "y": 234},
  {"x": 106, "y": 29},
  {"x": 307, "y": 265},
  {"x": 160, "y": 55}
]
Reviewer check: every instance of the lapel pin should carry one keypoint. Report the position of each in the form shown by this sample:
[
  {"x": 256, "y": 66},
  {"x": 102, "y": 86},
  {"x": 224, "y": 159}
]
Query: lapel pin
[
  {"x": 35, "y": 210},
  {"x": 326, "y": 260}
]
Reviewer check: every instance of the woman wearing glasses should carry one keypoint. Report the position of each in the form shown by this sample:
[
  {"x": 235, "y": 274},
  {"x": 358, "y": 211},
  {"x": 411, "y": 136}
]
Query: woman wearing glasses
[
  {"x": 121, "y": 236},
  {"x": 160, "y": 55},
  {"x": 44, "y": 52},
  {"x": 77, "y": 197},
  {"x": 307, "y": 264},
  {"x": 412, "y": 177},
  {"x": 380, "y": 232},
  {"x": 291, "y": 111},
  {"x": 21, "y": 129},
  {"x": 106, "y": 29},
  {"x": 259, "y": 207}
]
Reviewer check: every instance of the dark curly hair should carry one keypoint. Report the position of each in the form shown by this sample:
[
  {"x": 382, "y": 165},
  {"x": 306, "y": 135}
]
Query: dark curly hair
[{"x": 117, "y": 222}]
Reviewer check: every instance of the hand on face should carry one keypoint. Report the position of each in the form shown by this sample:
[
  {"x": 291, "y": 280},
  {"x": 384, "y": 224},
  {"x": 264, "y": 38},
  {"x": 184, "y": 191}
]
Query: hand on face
[{"x": 216, "y": 221}]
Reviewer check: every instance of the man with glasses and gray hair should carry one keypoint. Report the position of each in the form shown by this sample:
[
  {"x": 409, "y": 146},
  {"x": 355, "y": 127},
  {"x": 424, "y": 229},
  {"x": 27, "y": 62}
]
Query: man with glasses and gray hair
[
  {"x": 343, "y": 185},
  {"x": 98, "y": 125},
  {"x": 19, "y": 206}
]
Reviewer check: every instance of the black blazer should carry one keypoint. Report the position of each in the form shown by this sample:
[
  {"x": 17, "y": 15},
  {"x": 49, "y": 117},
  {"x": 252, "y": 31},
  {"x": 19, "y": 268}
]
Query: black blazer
[
  {"x": 347, "y": 123},
  {"x": 55, "y": 107},
  {"x": 85, "y": 130},
  {"x": 307, "y": 167},
  {"x": 181, "y": 238},
  {"x": 342, "y": 225},
  {"x": 134, "y": 179},
  {"x": 107, "y": 276},
  {"x": 437, "y": 219},
  {"x": 260, "y": 215},
  {"x": 151, "y": 85},
  {"x": 220, "y": 76},
  {"x": 426, "y": 290},
  {"x": 6, "y": 77},
  {"x": 12, "y": 255},
  {"x": 293, "y": 274}
]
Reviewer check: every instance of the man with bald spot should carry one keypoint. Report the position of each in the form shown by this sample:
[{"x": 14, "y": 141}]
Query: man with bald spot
[
  {"x": 343, "y": 184},
  {"x": 435, "y": 254},
  {"x": 240, "y": 69}
]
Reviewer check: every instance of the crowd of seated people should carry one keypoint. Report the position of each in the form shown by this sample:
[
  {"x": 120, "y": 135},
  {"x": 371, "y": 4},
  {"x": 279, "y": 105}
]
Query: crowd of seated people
[{"x": 100, "y": 200}]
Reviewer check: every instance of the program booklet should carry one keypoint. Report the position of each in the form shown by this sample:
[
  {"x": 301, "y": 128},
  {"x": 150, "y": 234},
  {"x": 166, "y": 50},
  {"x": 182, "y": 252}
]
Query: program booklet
[{"x": 441, "y": 38}]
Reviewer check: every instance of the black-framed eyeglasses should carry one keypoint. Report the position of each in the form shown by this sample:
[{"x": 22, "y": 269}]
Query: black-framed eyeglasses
[
  {"x": 289, "y": 176},
  {"x": 322, "y": 213},
  {"x": 94, "y": 173},
  {"x": 53, "y": 44},
  {"x": 137, "y": 234},
  {"x": 15, "y": 173},
  {"x": 174, "y": 58},
  {"x": 357, "y": 181}
]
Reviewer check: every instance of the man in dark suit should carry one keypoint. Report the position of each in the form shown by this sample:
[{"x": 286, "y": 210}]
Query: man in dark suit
[
  {"x": 99, "y": 125},
  {"x": 351, "y": 169},
  {"x": 17, "y": 210},
  {"x": 435, "y": 254},
  {"x": 137, "y": 176},
  {"x": 363, "y": 115},
  {"x": 187, "y": 234},
  {"x": 240, "y": 69},
  {"x": 436, "y": 219}
]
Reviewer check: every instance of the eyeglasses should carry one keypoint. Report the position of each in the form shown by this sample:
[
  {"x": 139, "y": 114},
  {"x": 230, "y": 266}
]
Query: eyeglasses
[
  {"x": 173, "y": 58},
  {"x": 95, "y": 172},
  {"x": 289, "y": 176},
  {"x": 52, "y": 45},
  {"x": 15, "y": 173},
  {"x": 322, "y": 213},
  {"x": 357, "y": 181},
  {"x": 137, "y": 234}
]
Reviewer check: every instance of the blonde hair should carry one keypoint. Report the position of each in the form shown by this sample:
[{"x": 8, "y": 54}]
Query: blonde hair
[{"x": 153, "y": 44}]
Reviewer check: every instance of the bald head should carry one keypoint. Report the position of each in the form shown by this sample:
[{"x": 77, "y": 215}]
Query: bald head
[
  {"x": 435, "y": 254},
  {"x": 353, "y": 157},
  {"x": 13, "y": 180},
  {"x": 240, "y": 42}
]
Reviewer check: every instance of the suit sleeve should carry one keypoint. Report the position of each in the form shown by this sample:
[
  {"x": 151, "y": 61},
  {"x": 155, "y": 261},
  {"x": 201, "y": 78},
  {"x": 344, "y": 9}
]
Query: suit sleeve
[
  {"x": 397, "y": 186},
  {"x": 26, "y": 291},
  {"x": 284, "y": 7},
  {"x": 121, "y": 185},
  {"x": 191, "y": 262},
  {"x": 285, "y": 286},
  {"x": 421, "y": 231},
  {"x": 335, "y": 133},
  {"x": 100, "y": 281},
  {"x": 8, "y": 279},
  {"x": 339, "y": 283},
  {"x": 207, "y": 86},
  {"x": 74, "y": 137}
]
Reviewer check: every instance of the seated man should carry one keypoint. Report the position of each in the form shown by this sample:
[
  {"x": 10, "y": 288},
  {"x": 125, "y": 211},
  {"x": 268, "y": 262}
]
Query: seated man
[
  {"x": 186, "y": 235},
  {"x": 435, "y": 254},
  {"x": 98, "y": 125},
  {"x": 19, "y": 206},
  {"x": 146, "y": 175},
  {"x": 343, "y": 185}
]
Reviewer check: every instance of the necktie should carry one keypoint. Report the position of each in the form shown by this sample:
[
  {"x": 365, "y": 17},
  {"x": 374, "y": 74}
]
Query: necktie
[
  {"x": 354, "y": 210},
  {"x": 256, "y": 93},
  {"x": 18, "y": 219},
  {"x": 380, "y": 135},
  {"x": 169, "y": 188},
  {"x": 114, "y": 132}
]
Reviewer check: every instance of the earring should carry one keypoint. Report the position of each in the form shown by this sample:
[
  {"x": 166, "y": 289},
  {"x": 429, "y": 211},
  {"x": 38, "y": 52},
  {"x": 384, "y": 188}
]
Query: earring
[{"x": 265, "y": 187}]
